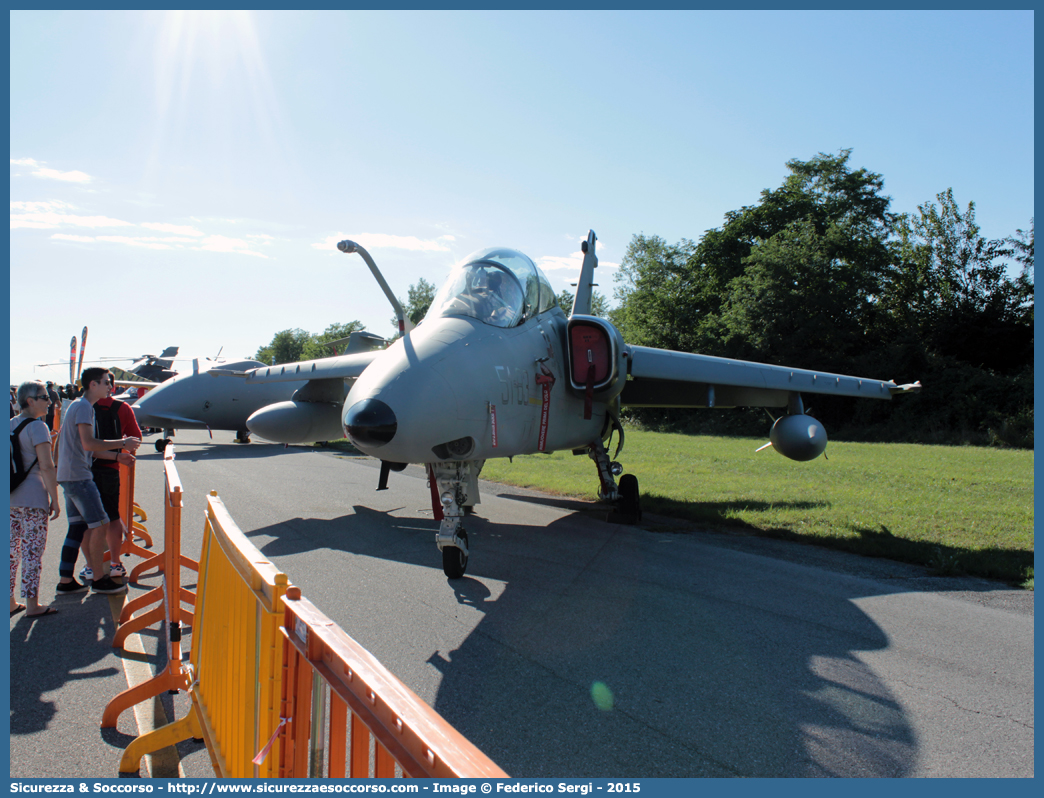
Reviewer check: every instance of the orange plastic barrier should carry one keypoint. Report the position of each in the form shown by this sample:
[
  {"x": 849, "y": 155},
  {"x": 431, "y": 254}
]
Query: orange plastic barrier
[
  {"x": 167, "y": 596},
  {"x": 128, "y": 511},
  {"x": 259, "y": 692},
  {"x": 235, "y": 667},
  {"x": 367, "y": 704}
]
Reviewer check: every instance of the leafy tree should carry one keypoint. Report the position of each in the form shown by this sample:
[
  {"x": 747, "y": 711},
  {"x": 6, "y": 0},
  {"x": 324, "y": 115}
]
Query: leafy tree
[
  {"x": 683, "y": 296},
  {"x": 1022, "y": 248},
  {"x": 286, "y": 347},
  {"x": 821, "y": 274},
  {"x": 803, "y": 299},
  {"x": 950, "y": 285},
  {"x": 420, "y": 294},
  {"x": 599, "y": 304},
  {"x": 290, "y": 346},
  {"x": 658, "y": 294},
  {"x": 316, "y": 347}
]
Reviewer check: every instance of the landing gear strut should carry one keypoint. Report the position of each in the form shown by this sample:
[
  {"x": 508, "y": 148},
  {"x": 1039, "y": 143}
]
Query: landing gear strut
[
  {"x": 624, "y": 497},
  {"x": 165, "y": 441},
  {"x": 454, "y": 490}
]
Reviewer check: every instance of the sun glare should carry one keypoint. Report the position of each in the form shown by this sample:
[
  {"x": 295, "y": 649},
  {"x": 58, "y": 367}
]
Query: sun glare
[{"x": 211, "y": 79}]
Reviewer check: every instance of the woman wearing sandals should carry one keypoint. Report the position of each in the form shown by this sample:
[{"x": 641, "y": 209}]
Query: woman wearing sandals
[{"x": 35, "y": 500}]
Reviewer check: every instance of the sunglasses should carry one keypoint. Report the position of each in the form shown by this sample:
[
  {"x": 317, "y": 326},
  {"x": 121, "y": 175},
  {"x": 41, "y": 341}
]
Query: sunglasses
[{"x": 42, "y": 398}]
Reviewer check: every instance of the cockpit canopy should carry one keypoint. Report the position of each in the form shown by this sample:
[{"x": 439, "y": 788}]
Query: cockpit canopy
[{"x": 501, "y": 287}]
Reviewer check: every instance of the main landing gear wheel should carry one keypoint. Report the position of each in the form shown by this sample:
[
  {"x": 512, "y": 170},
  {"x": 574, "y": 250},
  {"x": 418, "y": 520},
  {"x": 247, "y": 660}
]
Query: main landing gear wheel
[
  {"x": 454, "y": 560},
  {"x": 162, "y": 444},
  {"x": 630, "y": 506}
]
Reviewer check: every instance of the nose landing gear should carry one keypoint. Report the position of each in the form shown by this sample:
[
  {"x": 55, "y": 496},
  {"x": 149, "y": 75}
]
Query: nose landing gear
[{"x": 454, "y": 491}]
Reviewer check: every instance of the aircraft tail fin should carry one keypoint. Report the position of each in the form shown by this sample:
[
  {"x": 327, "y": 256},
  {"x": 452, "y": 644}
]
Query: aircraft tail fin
[{"x": 585, "y": 283}]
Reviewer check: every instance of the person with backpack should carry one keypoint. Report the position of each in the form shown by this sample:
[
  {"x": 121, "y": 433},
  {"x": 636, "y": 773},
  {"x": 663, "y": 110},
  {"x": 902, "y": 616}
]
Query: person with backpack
[
  {"x": 112, "y": 419},
  {"x": 88, "y": 521},
  {"x": 34, "y": 495}
]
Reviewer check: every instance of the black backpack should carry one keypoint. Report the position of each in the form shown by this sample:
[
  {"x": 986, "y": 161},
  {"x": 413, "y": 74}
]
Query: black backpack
[
  {"x": 107, "y": 427},
  {"x": 18, "y": 470}
]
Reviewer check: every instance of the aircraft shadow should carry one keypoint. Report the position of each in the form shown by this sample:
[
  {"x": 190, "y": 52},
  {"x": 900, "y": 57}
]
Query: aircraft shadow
[
  {"x": 609, "y": 652},
  {"x": 719, "y": 518},
  {"x": 363, "y": 531}
]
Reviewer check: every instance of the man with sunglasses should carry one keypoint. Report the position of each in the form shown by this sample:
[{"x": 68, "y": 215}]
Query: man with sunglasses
[{"x": 88, "y": 521}]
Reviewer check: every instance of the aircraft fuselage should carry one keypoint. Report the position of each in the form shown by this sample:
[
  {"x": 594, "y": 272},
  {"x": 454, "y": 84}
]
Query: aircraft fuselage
[{"x": 458, "y": 389}]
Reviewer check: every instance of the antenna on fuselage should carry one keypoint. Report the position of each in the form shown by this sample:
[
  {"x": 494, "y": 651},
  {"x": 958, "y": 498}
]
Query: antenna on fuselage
[
  {"x": 582, "y": 301},
  {"x": 348, "y": 247}
]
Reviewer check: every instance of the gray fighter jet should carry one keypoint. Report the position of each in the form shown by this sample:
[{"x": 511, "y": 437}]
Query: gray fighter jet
[
  {"x": 208, "y": 398},
  {"x": 498, "y": 369}
]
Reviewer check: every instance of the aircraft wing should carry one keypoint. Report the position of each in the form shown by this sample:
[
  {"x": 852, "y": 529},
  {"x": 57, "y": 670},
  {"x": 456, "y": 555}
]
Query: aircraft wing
[
  {"x": 662, "y": 378},
  {"x": 137, "y": 384},
  {"x": 165, "y": 419},
  {"x": 345, "y": 367}
]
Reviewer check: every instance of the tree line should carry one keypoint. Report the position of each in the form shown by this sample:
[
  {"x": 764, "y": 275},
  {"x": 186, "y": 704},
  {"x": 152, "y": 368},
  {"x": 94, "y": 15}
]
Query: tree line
[
  {"x": 290, "y": 346},
  {"x": 820, "y": 274}
]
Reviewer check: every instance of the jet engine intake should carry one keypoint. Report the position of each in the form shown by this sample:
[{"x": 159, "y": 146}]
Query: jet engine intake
[
  {"x": 799, "y": 437},
  {"x": 597, "y": 369}
]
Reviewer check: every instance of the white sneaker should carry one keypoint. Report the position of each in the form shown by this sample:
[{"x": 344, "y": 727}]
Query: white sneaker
[
  {"x": 86, "y": 575},
  {"x": 117, "y": 570}
]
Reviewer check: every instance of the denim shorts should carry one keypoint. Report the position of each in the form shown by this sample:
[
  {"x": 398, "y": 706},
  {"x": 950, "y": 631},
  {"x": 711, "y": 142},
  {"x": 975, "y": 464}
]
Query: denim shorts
[{"x": 83, "y": 503}]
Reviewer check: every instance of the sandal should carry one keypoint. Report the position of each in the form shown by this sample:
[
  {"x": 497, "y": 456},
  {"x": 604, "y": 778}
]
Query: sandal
[
  {"x": 48, "y": 611},
  {"x": 17, "y": 610}
]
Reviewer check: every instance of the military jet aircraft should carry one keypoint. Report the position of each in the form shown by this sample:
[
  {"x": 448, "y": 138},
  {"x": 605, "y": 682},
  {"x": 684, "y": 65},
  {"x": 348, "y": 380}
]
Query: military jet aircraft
[
  {"x": 497, "y": 369},
  {"x": 196, "y": 400}
]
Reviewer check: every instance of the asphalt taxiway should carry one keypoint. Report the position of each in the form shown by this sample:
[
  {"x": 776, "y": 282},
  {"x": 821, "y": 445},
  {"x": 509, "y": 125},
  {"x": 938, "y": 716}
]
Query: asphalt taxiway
[{"x": 572, "y": 647}]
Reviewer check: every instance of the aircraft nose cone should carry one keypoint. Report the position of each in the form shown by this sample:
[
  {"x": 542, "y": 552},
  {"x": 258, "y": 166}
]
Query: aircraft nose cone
[{"x": 370, "y": 423}]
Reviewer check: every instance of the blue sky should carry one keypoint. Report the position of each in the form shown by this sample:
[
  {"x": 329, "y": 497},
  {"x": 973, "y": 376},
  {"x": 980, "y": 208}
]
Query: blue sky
[{"x": 180, "y": 178}]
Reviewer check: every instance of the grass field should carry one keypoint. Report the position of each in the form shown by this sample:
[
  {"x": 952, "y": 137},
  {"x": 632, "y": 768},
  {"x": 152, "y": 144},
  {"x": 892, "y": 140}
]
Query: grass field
[{"x": 958, "y": 510}]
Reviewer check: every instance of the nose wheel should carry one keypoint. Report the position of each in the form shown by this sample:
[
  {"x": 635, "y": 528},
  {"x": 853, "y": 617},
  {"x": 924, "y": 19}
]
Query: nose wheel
[
  {"x": 630, "y": 504},
  {"x": 455, "y": 559}
]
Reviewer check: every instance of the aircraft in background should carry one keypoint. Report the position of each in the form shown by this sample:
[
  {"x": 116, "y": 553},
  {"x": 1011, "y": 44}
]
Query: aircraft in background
[
  {"x": 497, "y": 369},
  {"x": 146, "y": 370},
  {"x": 208, "y": 398}
]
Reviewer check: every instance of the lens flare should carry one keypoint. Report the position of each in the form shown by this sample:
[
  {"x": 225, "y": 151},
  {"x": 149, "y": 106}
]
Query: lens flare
[{"x": 602, "y": 696}]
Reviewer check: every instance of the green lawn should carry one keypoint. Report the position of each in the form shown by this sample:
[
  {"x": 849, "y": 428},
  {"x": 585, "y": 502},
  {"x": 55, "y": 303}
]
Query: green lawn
[{"x": 956, "y": 509}]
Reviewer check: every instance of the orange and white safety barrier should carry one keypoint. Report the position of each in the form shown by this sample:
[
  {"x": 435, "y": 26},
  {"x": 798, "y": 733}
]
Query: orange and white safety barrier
[{"x": 367, "y": 704}]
